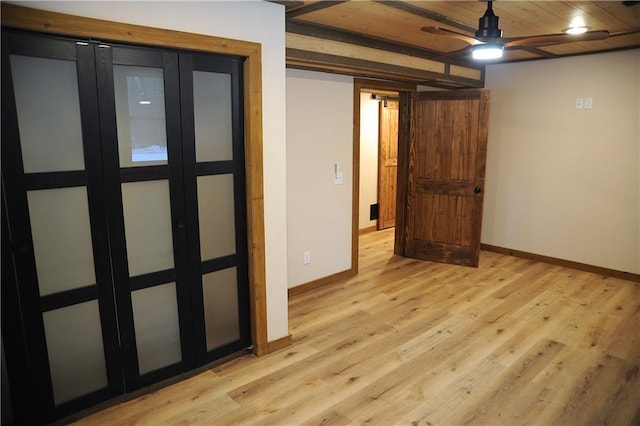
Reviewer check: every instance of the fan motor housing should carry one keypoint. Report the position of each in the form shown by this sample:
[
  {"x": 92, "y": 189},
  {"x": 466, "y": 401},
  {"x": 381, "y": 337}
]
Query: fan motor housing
[{"x": 488, "y": 25}]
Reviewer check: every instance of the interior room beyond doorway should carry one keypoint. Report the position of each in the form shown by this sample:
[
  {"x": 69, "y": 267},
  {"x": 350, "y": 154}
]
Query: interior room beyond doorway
[{"x": 378, "y": 158}]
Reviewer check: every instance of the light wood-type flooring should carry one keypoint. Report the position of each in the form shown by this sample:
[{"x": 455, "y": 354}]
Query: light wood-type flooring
[{"x": 412, "y": 342}]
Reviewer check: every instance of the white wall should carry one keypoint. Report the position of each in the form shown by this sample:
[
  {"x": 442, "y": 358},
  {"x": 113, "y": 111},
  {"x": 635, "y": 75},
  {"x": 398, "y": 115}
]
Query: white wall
[
  {"x": 563, "y": 182},
  {"x": 369, "y": 119},
  {"x": 255, "y": 21},
  {"x": 319, "y": 134}
]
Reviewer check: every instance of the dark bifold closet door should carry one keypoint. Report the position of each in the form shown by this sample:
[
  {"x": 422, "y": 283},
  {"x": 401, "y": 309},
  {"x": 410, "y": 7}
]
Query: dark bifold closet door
[{"x": 123, "y": 188}]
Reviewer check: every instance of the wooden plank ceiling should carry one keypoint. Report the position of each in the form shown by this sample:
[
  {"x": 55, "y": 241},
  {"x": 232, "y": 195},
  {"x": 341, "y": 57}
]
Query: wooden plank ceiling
[{"x": 383, "y": 39}]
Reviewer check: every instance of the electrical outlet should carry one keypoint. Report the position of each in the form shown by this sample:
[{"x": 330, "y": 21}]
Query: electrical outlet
[{"x": 306, "y": 257}]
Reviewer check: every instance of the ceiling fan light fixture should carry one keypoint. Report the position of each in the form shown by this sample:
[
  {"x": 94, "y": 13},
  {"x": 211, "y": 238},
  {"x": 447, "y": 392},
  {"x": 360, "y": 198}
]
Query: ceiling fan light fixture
[
  {"x": 576, "y": 30},
  {"x": 488, "y": 43},
  {"x": 484, "y": 52}
]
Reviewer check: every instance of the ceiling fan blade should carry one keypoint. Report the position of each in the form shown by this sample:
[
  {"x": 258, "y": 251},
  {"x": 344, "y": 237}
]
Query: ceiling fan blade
[
  {"x": 548, "y": 39},
  {"x": 450, "y": 33}
]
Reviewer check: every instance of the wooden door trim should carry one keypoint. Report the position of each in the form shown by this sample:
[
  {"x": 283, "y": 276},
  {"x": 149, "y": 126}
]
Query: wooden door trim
[
  {"x": 359, "y": 85},
  {"x": 70, "y": 25},
  {"x": 481, "y": 155},
  {"x": 404, "y": 136}
]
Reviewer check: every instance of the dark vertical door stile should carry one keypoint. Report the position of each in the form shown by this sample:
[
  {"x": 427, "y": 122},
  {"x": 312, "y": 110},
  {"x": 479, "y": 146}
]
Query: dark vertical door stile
[
  {"x": 240, "y": 205},
  {"x": 20, "y": 396},
  {"x": 97, "y": 212},
  {"x": 19, "y": 238},
  {"x": 190, "y": 193},
  {"x": 240, "y": 189},
  {"x": 179, "y": 218},
  {"x": 112, "y": 197}
]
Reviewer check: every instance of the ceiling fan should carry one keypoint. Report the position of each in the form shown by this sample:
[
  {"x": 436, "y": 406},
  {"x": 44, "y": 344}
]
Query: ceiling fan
[{"x": 488, "y": 42}]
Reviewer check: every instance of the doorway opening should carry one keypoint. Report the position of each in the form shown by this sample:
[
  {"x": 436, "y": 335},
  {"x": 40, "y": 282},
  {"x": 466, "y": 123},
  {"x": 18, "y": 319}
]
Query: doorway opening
[
  {"x": 375, "y": 112},
  {"x": 378, "y": 159}
]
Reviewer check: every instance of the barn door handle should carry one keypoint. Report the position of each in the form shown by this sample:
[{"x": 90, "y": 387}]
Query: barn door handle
[{"x": 477, "y": 190}]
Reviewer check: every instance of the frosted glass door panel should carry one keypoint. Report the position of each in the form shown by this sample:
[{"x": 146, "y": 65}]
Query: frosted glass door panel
[
  {"x": 48, "y": 108},
  {"x": 212, "y": 116},
  {"x": 76, "y": 352},
  {"x": 216, "y": 215},
  {"x": 155, "y": 317},
  {"x": 220, "y": 296},
  {"x": 142, "y": 135},
  {"x": 61, "y": 235},
  {"x": 147, "y": 223}
]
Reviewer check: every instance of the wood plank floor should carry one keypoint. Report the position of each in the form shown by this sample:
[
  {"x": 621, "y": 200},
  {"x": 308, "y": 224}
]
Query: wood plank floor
[{"x": 420, "y": 343}]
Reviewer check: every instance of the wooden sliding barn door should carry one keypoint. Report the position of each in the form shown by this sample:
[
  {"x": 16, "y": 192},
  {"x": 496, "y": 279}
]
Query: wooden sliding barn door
[
  {"x": 442, "y": 165},
  {"x": 387, "y": 164}
]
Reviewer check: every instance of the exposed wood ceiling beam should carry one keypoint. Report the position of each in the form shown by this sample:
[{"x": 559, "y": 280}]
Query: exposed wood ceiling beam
[
  {"x": 319, "y": 31},
  {"x": 358, "y": 67},
  {"x": 414, "y": 10},
  {"x": 313, "y": 8}
]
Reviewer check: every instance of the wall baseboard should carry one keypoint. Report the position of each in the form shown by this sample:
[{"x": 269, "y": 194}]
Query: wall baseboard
[
  {"x": 368, "y": 230},
  {"x": 566, "y": 263},
  {"x": 322, "y": 281},
  {"x": 281, "y": 343}
]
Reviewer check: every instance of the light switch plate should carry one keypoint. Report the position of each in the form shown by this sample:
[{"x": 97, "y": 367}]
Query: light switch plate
[{"x": 588, "y": 103}]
